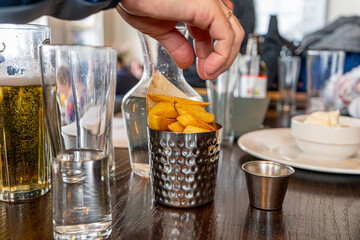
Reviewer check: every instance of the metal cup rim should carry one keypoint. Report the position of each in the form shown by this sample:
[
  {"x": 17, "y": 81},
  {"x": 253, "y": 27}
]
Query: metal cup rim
[
  {"x": 291, "y": 169},
  {"x": 219, "y": 127}
]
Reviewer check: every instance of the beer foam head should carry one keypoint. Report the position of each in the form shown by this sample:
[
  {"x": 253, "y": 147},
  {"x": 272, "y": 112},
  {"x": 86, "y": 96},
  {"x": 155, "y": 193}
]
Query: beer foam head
[
  {"x": 20, "y": 73},
  {"x": 20, "y": 80}
]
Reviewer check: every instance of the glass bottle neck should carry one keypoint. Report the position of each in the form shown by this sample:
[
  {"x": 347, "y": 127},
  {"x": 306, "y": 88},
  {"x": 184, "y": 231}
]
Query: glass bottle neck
[
  {"x": 156, "y": 58},
  {"x": 164, "y": 63},
  {"x": 273, "y": 26},
  {"x": 252, "y": 47},
  {"x": 167, "y": 67},
  {"x": 148, "y": 66}
]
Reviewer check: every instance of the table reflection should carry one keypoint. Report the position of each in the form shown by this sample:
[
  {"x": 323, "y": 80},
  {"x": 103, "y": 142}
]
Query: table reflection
[{"x": 261, "y": 224}]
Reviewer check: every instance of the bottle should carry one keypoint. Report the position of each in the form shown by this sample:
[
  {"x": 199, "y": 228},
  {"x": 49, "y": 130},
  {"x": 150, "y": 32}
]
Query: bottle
[
  {"x": 272, "y": 45},
  {"x": 133, "y": 110},
  {"x": 253, "y": 49},
  {"x": 253, "y": 70},
  {"x": 134, "y": 102}
]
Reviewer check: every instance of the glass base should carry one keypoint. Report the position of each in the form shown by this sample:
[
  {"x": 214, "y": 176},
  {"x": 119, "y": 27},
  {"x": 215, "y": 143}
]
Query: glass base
[
  {"x": 23, "y": 193},
  {"x": 286, "y": 108},
  {"x": 227, "y": 140},
  {"x": 141, "y": 169},
  {"x": 99, "y": 230},
  {"x": 112, "y": 171}
]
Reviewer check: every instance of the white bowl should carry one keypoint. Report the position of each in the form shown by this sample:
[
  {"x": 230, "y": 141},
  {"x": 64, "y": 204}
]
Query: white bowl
[{"x": 327, "y": 142}]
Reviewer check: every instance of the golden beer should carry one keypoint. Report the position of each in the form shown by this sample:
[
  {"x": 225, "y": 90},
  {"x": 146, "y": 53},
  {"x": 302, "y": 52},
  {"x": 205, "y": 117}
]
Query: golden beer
[
  {"x": 24, "y": 169},
  {"x": 24, "y": 159}
]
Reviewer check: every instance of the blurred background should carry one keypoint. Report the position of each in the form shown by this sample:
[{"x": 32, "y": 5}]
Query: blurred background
[
  {"x": 297, "y": 25},
  {"x": 296, "y": 18}
]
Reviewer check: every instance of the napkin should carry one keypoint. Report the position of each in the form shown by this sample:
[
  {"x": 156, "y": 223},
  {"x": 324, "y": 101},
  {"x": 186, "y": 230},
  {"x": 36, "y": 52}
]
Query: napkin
[{"x": 118, "y": 133}]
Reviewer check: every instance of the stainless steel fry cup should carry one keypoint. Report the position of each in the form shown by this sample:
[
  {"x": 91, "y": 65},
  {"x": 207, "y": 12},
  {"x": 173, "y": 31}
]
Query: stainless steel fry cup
[
  {"x": 184, "y": 167},
  {"x": 267, "y": 182}
]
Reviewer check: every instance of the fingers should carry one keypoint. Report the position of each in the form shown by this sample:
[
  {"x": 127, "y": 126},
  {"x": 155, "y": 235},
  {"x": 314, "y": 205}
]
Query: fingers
[
  {"x": 226, "y": 47},
  {"x": 206, "y": 20},
  {"x": 239, "y": 36},
  {"x": 203, "y": 48},
  {"x": 228, "y": 35},
  {"x": 202, "y": 42},
  {"x": 178, "y": 47}
]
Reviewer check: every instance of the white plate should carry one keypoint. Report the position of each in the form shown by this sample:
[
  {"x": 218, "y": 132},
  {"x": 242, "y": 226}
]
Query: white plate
[{"x": 278, "y": 145}]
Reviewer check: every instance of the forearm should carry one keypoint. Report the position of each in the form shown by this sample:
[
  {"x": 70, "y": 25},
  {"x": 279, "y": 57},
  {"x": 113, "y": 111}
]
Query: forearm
[{"x": 64, "y": 9}]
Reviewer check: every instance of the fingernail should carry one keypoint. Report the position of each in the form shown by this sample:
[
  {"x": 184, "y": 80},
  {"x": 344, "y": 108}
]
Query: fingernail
[{"x": 212, "y": 76}]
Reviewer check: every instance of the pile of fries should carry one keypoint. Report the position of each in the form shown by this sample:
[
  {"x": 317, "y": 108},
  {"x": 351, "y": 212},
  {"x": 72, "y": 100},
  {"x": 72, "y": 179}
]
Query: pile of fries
[{"x": 179, "y": 115}]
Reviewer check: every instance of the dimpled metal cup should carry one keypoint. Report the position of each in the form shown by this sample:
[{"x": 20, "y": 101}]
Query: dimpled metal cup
[{"x": 184, "y": 167}]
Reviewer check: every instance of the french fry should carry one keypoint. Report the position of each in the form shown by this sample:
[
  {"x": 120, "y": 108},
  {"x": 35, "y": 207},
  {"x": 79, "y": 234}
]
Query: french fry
[
  {"x": 164, "y": 109},
  {"x": 169, "y": 109},
  {"x": 203, "y": 116},
  {"x": 188, "y": 119},
  {"x": 176, "y": 127},
  {"x": 165, "y": 98},
  {"x": 194, "y": 129},
  {"x": 213, "y": 124},
  {"x": 160, "y": 123},
  {"x": 195, "y": 108}
]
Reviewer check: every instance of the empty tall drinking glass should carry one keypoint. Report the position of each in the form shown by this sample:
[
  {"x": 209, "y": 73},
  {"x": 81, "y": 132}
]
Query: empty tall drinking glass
[
  {"x": 289, "y": 70},
  {"x": 323, "y": 68},
  {"x": 221, "y": 97},
  {"x": 79, "y": 90}
]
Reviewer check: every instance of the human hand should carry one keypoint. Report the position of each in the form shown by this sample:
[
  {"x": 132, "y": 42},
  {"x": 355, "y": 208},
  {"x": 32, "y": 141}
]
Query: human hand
[{"x": 206, "y": 20}]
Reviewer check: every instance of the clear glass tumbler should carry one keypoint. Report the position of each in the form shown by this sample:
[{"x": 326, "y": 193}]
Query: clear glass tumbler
[
  {"x": 79, "y": 90},
  {"x": 24, "y": 159},
  {"x": 221, "y": 97},
  {"x": 323, "y": 69},
  {"x": 289, "y": 70},
  {"x": 85, "y": 213}
]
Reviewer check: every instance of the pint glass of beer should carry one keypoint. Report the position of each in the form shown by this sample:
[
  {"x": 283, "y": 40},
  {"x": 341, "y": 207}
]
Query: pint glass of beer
[{"x": 24, "y": 161}]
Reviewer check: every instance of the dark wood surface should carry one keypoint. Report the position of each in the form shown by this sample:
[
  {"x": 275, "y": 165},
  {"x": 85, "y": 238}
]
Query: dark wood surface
[{"x": 316, "y": 206}]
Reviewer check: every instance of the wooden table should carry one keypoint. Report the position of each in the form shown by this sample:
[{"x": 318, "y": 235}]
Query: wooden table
[{"x": 317, "y": 206}]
